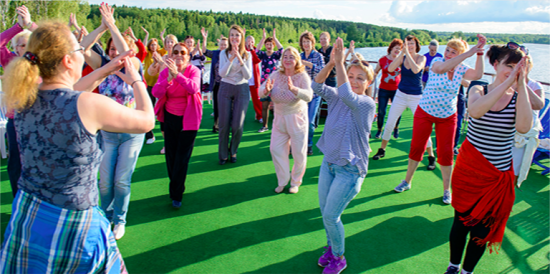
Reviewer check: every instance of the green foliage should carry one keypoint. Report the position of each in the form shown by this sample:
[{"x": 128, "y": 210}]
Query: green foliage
[{"x": 184, "y": 22}]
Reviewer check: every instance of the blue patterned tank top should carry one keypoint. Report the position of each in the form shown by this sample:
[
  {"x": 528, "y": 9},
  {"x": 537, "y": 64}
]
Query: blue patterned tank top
[{"x": 59, "y": 157}]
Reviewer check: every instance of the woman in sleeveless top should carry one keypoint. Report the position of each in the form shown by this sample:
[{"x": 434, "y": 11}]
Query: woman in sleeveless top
[
  {"x": 290, "y": 90},
  {"x": 438, "y": 107},
  {"x": 483, "y": 176},
  {"x": 56, "y": 225},
  {"x": 121, "y": 149},
  {"x": 408, "y": 94}
]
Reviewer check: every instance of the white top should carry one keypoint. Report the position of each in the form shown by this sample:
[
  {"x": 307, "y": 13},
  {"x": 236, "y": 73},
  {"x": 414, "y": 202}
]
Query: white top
[
  {"x": 534, "y": 85},
  {"x": 440, "y": 95},
  {"x": 232, "y": 72}
]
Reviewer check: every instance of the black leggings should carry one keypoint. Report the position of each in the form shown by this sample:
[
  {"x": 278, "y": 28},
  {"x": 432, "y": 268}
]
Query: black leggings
[{"x": 457, "y": 240}]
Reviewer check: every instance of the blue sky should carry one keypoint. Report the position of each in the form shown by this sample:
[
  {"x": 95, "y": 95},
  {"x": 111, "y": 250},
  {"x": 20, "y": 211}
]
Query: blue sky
[{"x": 466, "y": 16}]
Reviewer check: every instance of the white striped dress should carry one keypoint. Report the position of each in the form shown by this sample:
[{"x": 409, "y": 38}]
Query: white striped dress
[{"x": 493, "y": 134}]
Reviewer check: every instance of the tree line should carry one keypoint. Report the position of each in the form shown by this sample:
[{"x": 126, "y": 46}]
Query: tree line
[{"x": 182, "y": 23}]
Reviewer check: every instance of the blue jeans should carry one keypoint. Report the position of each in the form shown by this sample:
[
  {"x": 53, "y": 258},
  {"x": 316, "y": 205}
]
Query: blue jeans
[
  {"x": 121, "y": 152},
  {"x": 312, "y": 109},
  {"x": 338, "y": 185},
  {"x": 14, "y": 160}
]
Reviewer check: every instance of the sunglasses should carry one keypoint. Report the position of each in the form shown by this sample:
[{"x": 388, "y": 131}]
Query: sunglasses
[
  {"x": 363, "y": 62},
  {"x": 177, "y": 52},
  {"x": 514, "y": 46}
]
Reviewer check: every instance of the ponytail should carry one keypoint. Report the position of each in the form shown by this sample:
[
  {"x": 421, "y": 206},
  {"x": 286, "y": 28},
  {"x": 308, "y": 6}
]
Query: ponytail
[{"x": 20, "y": 85}]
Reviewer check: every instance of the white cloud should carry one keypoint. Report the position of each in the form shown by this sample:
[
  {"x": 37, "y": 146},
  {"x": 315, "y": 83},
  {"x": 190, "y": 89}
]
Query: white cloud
[{"x": 437, "y": 12}]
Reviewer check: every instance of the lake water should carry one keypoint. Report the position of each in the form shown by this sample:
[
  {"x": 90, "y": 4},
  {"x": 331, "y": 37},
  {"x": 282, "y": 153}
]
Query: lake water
[{"x": 539, "y": 52}]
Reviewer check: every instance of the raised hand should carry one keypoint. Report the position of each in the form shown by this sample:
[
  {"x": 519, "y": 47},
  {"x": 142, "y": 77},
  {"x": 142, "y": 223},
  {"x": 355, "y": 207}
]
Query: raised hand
[
  {"x": 338, "y": 51},
  {"x": 144, "y": 30},
  {"x": 72, "y": 20},
  {"x": 107, "y": 14},
  {"x": 84, "y": 31},
  {"x": 23, "y": 16},
  {"x": 481, "y": 41},
  {"x": 130, "y": 33},
  {"x": 162, "y": 33},
  {"x": 157, "y": 58},
  {"x": 264, "y": 35},
  {"x": 352, "y": 46},
  {"x": 204, "y": 33},
  {"x": 274, "y": 36},
  {"x": 130, "y": 74}
]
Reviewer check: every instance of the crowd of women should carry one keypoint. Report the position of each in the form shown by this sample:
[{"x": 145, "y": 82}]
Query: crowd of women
[{"x": 61, "y": 133}]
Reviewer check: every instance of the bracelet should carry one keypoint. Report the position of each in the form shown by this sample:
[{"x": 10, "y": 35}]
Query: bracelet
[
  {"x": 480, "y": 53},
  {"x": 132, "y": 85}
]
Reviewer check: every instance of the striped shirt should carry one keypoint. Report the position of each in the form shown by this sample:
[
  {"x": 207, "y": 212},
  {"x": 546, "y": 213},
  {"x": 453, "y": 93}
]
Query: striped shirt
[{"x": 493, "y": 135}]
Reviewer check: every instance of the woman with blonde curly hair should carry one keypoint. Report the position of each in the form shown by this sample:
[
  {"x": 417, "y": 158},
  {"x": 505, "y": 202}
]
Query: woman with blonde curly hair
[
  {"x": 345, "y": 145},
  {"x": 234, "y": 95},
  {"x": 290, "y": 91},
  {"x": 438, "y": 106}
]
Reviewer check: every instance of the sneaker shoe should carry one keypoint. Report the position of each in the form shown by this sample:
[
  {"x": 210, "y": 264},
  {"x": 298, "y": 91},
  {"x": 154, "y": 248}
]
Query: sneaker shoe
[
  {"x": 336, "y": 265},
  {"x": 402, "y": 186},
  {"x": 163, "y": 150},
  {"x": 396, "y": 133},
  {"x": 261, "y": 121},
  {"x": 293, "y": 189},
  {"x": 325, "y": 259},
  {"x": 456, "y": 151},
  {"x": 309, "y": 151},
  {"x": 263, "y": 129},
  {"x": 378, "y": 134},
  {"x": 447, "y": 198},
  {"x": 279, "y": 189},
  {"x": 431, "y": 163},
  {"x": 452, "y": 270},
  {"x": 380, "y": 154},
  {"x": 150, "y": 141},
  {"x": 176, "y": 204},
  {"x": 119, "y": 231}
]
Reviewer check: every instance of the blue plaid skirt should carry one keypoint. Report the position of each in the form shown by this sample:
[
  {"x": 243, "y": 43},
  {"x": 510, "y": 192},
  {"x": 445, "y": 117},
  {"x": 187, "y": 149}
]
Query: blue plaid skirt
[{"x": 44, "y": 238}]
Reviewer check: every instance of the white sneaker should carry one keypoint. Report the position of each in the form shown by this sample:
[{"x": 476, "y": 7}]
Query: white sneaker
[
  {"x": 293, "y": 189},
  {"x": 119, "y": 231},
  {"x": 150, "y": 141},
  {"x": 261, "y": 121}
]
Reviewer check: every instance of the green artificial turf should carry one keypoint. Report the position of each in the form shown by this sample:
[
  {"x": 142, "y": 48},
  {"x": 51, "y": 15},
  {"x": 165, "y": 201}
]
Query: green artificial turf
[{"x": 231, "y": 220}]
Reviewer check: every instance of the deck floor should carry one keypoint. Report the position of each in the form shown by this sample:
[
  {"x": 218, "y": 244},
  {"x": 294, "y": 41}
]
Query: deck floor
[{"x": 232, "y": 221}]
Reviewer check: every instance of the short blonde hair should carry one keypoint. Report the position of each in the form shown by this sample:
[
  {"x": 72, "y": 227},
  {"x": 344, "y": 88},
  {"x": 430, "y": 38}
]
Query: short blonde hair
[
  {"x": 23, "y": 34},
  {"x": 299, "y": 66},
  {"x": 325, "y": 33},
  {"x": 363, "y": 65},
  {"x": 457, "y": 44}
]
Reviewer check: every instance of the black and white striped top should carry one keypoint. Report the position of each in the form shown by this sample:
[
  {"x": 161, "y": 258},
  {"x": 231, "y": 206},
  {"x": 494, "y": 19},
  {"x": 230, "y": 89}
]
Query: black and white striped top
[{"x": 493, "y": 134}]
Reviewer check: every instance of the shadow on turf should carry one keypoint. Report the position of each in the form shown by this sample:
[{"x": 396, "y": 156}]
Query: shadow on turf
[{"x": 229, "y": 239}]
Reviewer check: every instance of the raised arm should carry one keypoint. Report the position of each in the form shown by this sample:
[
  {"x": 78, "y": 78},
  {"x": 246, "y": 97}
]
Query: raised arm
[
  {"x": 92, "y": 80},
  {"x": 277, "y": 43},
  {"x": 92, "y": 58},
  {"x": 146, "y": 38},
  {"x": 100, "y": 112},
  {"x": 397, "y": 61},
  {"x": 107, "y": 14},
  {"x": 443, "y": 67},
  {"x": 262, "y": 41},
  {"x": 350, "y": 50},
  {"x": 479, "y": 104},
  {"x": 204, "y": 39},
  {"x": 322, "y": 76},
  {"x": 524, "y": 112},
  {"x": 416, "y": 65}
]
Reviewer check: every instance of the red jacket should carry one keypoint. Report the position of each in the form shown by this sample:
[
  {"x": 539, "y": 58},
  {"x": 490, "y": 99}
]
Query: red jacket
[{"x": 255, "y": 67}]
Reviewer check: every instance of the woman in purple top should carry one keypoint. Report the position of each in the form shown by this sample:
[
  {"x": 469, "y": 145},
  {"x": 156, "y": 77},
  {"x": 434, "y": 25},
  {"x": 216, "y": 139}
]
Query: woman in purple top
[
  {"x": 19, "y": 36},
  {"x": 269, "y": 59}
]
